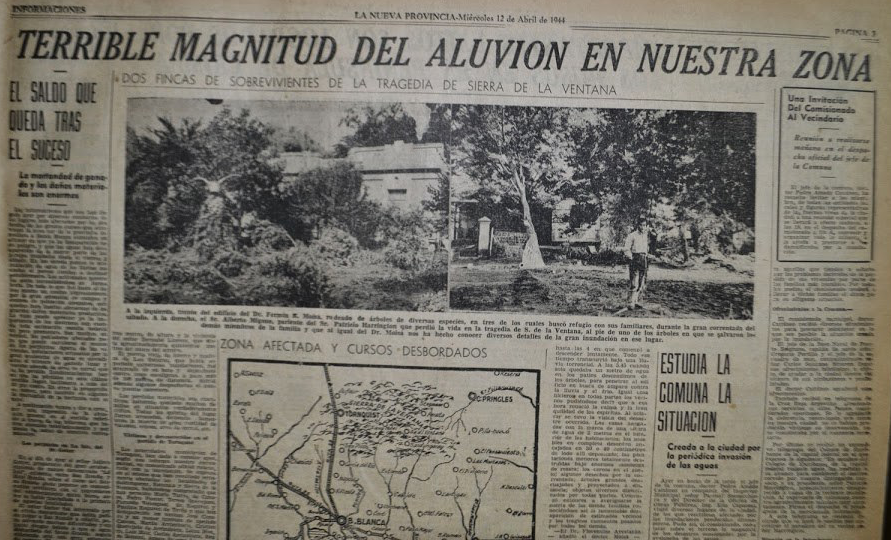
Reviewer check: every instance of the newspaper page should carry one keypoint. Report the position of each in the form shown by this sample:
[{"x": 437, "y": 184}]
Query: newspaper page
[{"x": 427, "y": 270}]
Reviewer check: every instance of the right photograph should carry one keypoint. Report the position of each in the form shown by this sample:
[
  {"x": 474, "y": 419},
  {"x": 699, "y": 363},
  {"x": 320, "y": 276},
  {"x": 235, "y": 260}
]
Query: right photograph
[{"x": 603, "y": 212}]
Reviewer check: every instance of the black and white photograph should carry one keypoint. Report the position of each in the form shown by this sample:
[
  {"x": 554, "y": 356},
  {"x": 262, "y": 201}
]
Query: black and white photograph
[
  {"x": 283, "y": 203},
  {"x": 605, "y": 212}
]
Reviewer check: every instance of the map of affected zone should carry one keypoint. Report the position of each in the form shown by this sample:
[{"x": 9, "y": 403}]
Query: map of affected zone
[{"x": 342, "y": 451}]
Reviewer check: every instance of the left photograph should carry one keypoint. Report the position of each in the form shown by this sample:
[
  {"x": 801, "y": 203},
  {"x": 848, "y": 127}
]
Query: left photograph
[{"x": 282, "y": 203}]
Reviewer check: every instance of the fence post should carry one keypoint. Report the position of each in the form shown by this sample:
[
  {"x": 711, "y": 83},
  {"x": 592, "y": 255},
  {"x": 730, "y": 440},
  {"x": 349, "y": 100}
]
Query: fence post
[{"x": 484, "y": 239}]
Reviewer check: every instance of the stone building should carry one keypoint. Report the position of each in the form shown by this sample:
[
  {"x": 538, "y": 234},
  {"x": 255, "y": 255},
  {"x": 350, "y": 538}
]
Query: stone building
[{"x": 401, "y": 174}]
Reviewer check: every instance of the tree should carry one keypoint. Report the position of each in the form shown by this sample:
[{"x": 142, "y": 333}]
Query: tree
[
  {"x": 677, "y": 166},
  {"x": 631, "y": 163},
  {"x": 518, "y": 155},
  {"x": 436, "y": 204},
  {"x": 238, "y": 157},
  {"x": 625, "y": 161},
  {"x": 376, "y": 126},
  {"x": 724, "y": 163},
  {"x": 294, "y": 140},
  {"x": 226, "y": 168},
  {"x": 327, "y": 196},
  {"x": 439, "y": 127},
  {"x": 439, "y": 130},
  {"x": 162, "y": 197}
]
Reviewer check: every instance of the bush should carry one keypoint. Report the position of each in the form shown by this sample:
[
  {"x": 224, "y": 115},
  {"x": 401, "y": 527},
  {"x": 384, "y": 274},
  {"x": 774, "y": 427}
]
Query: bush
[
  {"x": 407, "y": 253},
  {"x": 173, "y": 278},
  {"x": 209, "y": 280},
  {"x": 405, "y": 241},
  {"x": 230, "y": 263},
  {"x": 337, "y": 247},
  {"x": 579, "y": 253},
  {"x": 268, "y": 236},
  {"x": 216, "y": 228},
  {"x": 588, "y": 255},
  {"x": 296, "y": 277}
]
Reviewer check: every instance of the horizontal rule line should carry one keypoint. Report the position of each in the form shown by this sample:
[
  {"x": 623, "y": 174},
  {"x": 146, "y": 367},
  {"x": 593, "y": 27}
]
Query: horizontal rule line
[
  {"x": 544, "y": 96},
  {"x": 705, "y": 32},
  {"x": 170, "y": 18},
  {"x": 249, "y": 21}
]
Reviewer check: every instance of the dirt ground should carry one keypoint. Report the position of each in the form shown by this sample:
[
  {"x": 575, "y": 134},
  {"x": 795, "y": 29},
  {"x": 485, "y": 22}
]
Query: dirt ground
[
  {"x": 383, "y": 287},
  {"x": 705, "y": 291}
]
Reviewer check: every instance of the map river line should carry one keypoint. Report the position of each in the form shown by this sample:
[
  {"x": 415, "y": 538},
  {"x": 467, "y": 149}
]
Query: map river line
[{"x": 346, "y": 451}]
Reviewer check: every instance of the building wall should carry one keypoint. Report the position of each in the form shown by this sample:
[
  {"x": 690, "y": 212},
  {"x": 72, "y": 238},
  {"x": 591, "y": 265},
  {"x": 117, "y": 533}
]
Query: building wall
[
  {"x": 406, "y": 191},
  {"x": 399, "y": 174}
]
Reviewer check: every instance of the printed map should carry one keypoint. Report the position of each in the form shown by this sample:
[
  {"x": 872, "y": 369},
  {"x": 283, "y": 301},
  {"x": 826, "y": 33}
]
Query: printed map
[{"x": 333, "y": 451}]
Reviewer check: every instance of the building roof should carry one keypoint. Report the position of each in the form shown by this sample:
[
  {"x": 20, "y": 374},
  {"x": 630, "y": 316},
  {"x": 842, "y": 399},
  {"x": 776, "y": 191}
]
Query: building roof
[
  {"x": 391, "y": 158},
  {"x": 298, "y": 162},
  {"x": 399, "y": 156}
]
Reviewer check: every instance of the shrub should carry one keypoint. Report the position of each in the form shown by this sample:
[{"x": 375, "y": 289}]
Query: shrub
[
  {"x": 215, "y": 228},
  {"x": 230, "y": 263},
  {"x": 173, "y": 278},
  {"x": 209, "y": 280},
  {"x": 337, "y": 247},
  {"x": 268, "y": 236},
  {"x": 608, "y": 257},
  {"x": 296, "y": 277},
  {"x": 408, "y": 253},
  {"x": 405, "y": 241}
]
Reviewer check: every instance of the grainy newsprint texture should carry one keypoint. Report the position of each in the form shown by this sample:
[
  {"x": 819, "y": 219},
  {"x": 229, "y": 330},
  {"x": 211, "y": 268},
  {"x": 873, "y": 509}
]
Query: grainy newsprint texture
[{"x": 417, "y": 270}]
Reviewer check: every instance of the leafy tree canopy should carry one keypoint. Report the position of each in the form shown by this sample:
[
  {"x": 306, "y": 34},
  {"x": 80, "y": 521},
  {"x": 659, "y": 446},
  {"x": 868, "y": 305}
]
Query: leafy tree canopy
[
  {"x": 614, "y": 162},
  {"x": 172, "y": 170},
  {"x": 377, "y": 126}
]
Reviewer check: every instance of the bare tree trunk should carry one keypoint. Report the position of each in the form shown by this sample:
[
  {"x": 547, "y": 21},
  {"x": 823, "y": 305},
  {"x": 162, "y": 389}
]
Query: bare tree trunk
[
  {"x": 531, "y": 257},
  {"x": 685, "y": 248},
  {"x": 531, "y": 251}
]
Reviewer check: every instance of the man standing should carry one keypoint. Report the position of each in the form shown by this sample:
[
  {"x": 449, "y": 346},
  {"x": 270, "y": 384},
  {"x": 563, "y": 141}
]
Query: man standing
[{"x": 637, "y": 248}]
